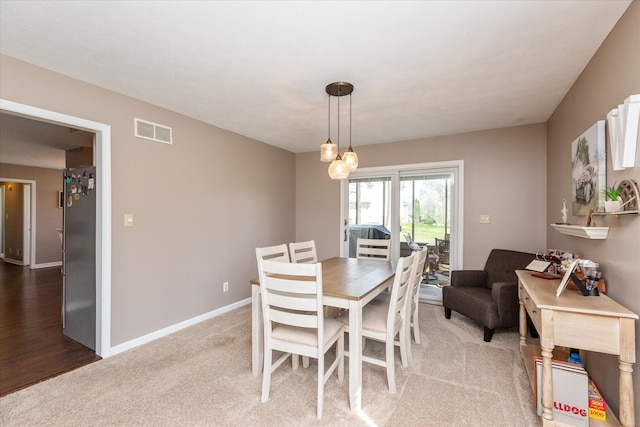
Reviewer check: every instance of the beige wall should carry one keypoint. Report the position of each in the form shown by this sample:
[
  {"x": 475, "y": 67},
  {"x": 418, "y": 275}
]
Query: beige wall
[
  {"x": 201, "y": 206},
  {"x": 504, "y": 177},
  {"x": 48, "y": 215},
  {"x": 612, "y": 75}
]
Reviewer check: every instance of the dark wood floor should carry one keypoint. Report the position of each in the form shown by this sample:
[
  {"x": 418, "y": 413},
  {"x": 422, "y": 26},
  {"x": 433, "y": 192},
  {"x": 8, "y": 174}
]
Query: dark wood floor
[{"x": 32, "y": 347}]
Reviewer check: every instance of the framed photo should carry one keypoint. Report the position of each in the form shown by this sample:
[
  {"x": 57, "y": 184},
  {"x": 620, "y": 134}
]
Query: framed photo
[
  {"x": 566, "y": 277},
  {"x": 588, "y": 170}
]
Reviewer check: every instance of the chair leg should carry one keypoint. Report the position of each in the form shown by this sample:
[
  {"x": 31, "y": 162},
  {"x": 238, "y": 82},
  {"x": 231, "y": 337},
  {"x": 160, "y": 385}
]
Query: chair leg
[
  {"x": 266, "y": 375},
  {"x": 488, "y": 334},
  {"x": 416, "y": 326},
  {"x": 407, "y": 341},
  {"x": 447, "y": 313},
  {"x": 305, "y": 361},
  {"x": 320, "y": 382},
  {"x": 405, "y": 350},
  {"x": 340, "y": 353},
  {"x": 391, "y": 365},
  {"x": 295, "y": 361}
]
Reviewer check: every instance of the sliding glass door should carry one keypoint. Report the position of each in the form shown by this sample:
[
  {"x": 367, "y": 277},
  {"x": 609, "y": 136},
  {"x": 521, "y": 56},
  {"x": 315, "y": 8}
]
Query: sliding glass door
[
  {"x": 426, "y": 218},
  {"x": 413, "y": 205}
]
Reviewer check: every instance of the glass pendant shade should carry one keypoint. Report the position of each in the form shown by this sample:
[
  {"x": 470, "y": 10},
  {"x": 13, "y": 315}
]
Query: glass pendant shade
[
  {"x": 351, "y": 159},
  {"x": 338, "y": 169},
  {"x": 328, "y": 151}
]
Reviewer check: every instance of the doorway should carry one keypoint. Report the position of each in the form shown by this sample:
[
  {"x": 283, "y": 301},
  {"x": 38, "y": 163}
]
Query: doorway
[
  {"x": 20, "y": 244},
  {"x": 103, "y": 211}
]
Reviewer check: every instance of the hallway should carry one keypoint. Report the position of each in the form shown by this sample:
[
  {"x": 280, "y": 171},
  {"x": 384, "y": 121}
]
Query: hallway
[{"x": 32, "y": 347}]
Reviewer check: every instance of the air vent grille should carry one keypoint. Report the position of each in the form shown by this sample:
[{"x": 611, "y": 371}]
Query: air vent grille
[{"x": 152, "y": 131}]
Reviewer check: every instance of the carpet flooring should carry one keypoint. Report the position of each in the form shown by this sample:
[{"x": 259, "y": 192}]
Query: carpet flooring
[{"x": 201, "y": 376}]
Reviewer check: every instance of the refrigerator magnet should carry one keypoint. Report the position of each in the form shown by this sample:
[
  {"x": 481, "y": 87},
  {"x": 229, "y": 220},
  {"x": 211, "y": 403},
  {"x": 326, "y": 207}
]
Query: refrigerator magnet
[
  {"x": 76, "y": 196},
  {"x": 90, "y": 183},
  {"x": 74, "y": 189},
  {"x": 69, "y": 201}
]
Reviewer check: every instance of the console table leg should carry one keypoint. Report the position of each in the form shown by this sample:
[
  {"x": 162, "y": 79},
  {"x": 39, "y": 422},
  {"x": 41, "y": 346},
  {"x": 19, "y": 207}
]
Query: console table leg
[
  {"x": 547, "y": 388},
  {"x": 627, "y": 413},
  {"x": 523, "y": 324}
]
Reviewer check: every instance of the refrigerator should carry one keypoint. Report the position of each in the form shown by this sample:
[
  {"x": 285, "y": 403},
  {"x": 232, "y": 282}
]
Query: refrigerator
[{"x": 79, "y": 256}]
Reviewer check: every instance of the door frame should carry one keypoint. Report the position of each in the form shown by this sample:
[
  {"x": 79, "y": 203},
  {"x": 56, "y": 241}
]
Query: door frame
[
  {"x": 102, "y": 154},
  {"x": 29, "y": 212},
  {"x": 457, "y": 220}
]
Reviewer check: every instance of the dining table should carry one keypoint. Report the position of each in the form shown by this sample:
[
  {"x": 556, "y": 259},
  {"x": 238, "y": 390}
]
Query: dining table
[{"x": 347, "y": 283}]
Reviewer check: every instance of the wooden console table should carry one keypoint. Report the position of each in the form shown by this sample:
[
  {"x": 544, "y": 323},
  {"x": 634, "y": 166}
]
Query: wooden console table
[{"x": 594, "y": 323}]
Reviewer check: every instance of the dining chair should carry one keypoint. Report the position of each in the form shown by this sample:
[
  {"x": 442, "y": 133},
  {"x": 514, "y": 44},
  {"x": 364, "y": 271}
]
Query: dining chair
[
  {"x": 280, "y": 253},
  {"x": 413, "y": 301},
  {"x": 294, "y": 323},
  {"x": 383, "y": 322},
  {"x": 304, "y": 252},
  {"x": 377, "y": 249}
]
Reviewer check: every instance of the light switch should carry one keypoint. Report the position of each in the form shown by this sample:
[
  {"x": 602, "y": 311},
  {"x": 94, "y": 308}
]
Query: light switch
[
  {"x": 484, "y": 219},
  {"x": 128, "y": 220}
]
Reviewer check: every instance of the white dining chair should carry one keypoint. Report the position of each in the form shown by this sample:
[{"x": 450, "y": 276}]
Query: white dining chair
[
  {"x": 413, "y": 298},
  {"x": 303, "y": 252},
  {"x": 377, "y": 249},
  {"x": 413, "y": 301},
  {"x": 385, "y": 322},
  {"x": 294, "y": 322}
]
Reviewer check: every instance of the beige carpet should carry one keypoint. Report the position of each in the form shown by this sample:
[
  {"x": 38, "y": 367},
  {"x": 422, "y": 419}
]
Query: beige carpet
[{"x": 201, "y": 376}]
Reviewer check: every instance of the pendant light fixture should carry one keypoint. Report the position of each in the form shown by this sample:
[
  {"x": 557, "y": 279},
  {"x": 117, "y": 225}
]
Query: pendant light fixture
[
  {"x": 328, "y": 150},
  {"x": 350, "y": 157},
  {"x": 338, "y": 169}
]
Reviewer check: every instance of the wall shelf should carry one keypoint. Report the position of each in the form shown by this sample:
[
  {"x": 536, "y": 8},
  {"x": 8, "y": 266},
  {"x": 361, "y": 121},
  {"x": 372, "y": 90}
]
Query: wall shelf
[{"x": 584, "y": 232}]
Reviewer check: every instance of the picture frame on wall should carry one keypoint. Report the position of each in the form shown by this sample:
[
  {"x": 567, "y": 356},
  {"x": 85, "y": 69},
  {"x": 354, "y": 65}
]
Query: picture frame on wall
[{"x": 588, "y": 170}]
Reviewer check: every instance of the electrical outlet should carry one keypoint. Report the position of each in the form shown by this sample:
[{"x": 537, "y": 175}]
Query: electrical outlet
[
  {"x": 225, "y": 287},
  {"x": 485, "y": 219}
]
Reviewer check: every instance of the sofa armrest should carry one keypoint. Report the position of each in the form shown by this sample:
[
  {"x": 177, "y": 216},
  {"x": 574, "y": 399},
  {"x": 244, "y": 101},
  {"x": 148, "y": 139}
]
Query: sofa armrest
[
  {"x": 505, "y": 295},
  {"x": 476, "y": 278}
]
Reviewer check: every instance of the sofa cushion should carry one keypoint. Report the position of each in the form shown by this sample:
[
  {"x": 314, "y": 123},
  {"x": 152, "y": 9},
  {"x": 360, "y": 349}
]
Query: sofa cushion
[{"x": 475, "y": 303}]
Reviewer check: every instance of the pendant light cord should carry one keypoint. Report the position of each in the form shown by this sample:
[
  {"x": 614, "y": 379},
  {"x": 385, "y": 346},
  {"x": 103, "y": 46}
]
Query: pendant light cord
[
  {"x": 329, "y": 130},
  {"x": 350, "y": 126}
]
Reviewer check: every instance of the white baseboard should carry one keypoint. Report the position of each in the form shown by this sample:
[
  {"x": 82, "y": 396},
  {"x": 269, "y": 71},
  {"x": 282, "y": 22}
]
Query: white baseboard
[
  {"x": 174, "y": 328},
  {"x": 13, "y": 261},
  {"x": 47, "y": 264}
]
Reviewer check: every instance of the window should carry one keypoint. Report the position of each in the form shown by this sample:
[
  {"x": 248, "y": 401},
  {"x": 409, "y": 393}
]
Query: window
[{"x": 422, "y": 203}]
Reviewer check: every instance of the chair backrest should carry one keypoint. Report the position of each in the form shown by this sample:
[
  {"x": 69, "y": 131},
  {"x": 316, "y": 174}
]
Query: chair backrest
[
  {"x": 273, "y": 253},
  {"x": 377, "y": 249},
  {"x": 502, "y": 264},
  {"x": 400, "y": 293},
  {"x": 303, "y": 252},
  {"x": 443, "y": 248},
  {"x": 291, "y": 295},
  {"x": 416, "y": 278}
]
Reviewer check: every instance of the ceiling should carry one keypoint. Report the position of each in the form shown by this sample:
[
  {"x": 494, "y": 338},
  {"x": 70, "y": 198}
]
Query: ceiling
[
  {"x": 420, "y": 68},
  {"x": 36, "y": 143}
]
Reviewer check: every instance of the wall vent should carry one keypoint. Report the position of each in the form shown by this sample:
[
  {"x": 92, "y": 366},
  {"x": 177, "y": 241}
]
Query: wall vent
[{"x": 152, "y": 131}]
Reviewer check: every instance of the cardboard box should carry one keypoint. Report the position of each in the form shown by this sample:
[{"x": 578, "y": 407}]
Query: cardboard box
[
  {"x": 570, "y": 391},
  {"x": 597, "y": 405}
]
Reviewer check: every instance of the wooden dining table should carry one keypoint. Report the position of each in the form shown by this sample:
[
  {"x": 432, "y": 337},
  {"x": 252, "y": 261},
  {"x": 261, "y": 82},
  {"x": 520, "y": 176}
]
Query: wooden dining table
[{"x": 347, "y": 283}]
